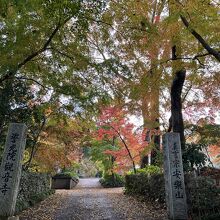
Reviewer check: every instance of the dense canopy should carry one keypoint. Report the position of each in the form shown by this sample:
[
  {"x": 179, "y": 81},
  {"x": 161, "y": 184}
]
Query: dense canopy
[{"x": 63, "y": 62}]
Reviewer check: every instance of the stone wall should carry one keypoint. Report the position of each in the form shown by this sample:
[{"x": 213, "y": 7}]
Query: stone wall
[{"x": 33, "y": 188}]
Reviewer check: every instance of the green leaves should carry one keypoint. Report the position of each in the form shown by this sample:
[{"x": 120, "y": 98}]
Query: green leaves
[{"x": 193, "y": 156}]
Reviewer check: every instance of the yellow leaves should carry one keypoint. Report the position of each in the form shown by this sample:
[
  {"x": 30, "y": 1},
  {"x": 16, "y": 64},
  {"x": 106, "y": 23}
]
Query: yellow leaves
[
  {"x": 50, "y": 157},
  {"x": 60, "y": 142},
  {"x": 47, "y": 111},
  {"x": 26, "y": 156}
]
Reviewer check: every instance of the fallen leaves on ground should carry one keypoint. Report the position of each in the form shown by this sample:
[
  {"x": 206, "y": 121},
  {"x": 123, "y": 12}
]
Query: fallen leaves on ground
[{"x": 93, "y": 203}]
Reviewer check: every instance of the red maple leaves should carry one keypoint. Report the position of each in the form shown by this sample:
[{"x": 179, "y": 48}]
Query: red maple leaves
[
  {"x": 113, "y": 124},
  {"x": 214, "y": 151}
]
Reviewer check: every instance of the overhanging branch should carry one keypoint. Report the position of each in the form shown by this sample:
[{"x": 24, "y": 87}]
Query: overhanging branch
[
  {"x": 30, "y": 57},
  {"x": 210, "y": 50}
]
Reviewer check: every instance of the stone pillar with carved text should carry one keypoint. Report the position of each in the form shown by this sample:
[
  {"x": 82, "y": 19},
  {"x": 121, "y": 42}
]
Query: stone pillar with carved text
[
  {"x": 174, "y": 177},
  {"x": 10, "y": 170}
]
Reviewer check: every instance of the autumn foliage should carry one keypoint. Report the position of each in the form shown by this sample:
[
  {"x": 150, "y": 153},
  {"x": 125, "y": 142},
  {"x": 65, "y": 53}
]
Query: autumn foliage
[
  {"x": 214, "y": 151},
  {"x": 59, "y": 146},
  {"x": 114, "y": 126}
]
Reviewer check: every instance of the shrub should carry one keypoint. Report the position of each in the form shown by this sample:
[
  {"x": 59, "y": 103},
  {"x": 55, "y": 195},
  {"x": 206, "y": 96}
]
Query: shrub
[
  {"x": 193, "y": 156},
  {"x": 203, "y": 197},
  {"x": 150, "y": 187},
  {"x": 150, "y": 169},
  {"x": 67, "y": 174},
  {"x": 114, "y": 180}
]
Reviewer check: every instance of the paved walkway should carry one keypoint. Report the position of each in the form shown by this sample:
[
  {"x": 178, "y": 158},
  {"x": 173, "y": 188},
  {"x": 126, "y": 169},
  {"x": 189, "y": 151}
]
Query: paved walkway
[{"x": 89, "y": 201}]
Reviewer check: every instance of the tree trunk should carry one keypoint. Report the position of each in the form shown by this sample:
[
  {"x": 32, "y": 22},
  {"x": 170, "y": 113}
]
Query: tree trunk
[
  {"x": 176, "y": 105},
  {"x": 154, "y": 152}
]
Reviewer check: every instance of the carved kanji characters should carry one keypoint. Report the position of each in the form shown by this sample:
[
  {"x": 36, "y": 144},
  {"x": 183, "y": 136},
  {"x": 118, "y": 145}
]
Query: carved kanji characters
[
  {"x": 176, "y": 163},
  {"x": 6, "y": 177},
  {"x": 14, "y": 137},
  {"x": 179, "y": 195},
  {"x": 4, "y": 189},
  {"x": 178, "y": 184},
  {"x": 11, "y": 155},
  {"x": 8, "y": 166},
  {"x": 177, "y": 174}
]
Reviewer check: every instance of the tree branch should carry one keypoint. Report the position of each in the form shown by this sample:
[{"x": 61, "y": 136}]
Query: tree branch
[
  {"x": 187, "y": 92},
  {"x": 11, "y": 73},
  {"x": 210, "y": 50},
  {"x": 25, "y": 78},
  {"x": 33, "y": 149},
  {"x": 126, "y": 146}
]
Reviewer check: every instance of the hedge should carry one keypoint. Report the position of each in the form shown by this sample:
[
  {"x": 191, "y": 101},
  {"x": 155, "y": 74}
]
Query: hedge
[
  {"x": 151, "y": 188},
  {"x": 203, "y": 197},
  {"x": 110, "y": 181}
]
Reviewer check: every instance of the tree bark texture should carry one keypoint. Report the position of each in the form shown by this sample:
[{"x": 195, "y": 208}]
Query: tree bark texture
[{"x": 176, "y": 105}]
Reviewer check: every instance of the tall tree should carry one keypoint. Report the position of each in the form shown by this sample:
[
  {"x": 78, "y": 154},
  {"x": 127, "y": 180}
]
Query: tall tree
[{"x": 145, "y": 47}]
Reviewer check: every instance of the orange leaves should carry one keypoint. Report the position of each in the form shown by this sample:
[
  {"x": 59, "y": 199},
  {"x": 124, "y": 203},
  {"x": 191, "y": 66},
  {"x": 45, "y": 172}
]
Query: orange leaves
[
  {"x": 114, "y": 126},
  {"x": 60, "y": 144},
  {"x": 214, "y": 151},
  {"x": 157, "y": 19},
  {"x": 51, "y": 157},
  {"x": 47, "y": 111}
]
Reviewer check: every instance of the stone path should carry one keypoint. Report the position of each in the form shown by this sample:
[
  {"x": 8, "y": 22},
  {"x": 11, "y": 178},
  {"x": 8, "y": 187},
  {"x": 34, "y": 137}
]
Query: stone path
[{"x": 89, "y": 201}]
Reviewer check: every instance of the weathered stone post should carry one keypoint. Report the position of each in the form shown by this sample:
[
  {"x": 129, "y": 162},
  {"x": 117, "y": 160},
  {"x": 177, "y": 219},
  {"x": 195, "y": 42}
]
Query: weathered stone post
[
  {"x": 10, "y": 170},
  {"x": 174, "y": 177}
]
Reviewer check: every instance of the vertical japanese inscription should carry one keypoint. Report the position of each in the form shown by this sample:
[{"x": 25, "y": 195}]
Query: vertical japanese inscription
[
  {"x": 177, "y": 174},
  {"x": 10, "y": 171},
  {"x": 8, "y": 167},
  {"x": 174, "y": 177}
]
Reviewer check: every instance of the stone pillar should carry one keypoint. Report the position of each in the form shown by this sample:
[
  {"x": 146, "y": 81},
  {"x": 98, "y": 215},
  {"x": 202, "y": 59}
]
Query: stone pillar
[
  {"x": 10, "y": 170},
  {"x": 174, "y": 177}
]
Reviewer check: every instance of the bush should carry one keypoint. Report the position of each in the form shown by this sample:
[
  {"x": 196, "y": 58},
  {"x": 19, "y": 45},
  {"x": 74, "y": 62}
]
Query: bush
[
  {"x": 150, "y": 187},
  {"x": 114, "y": 180},
  {"x": 150, "y": 169},
  {"x": 193, "y": 156},
  {"x": 67, "y": 174},
  {"x": 203, "y": 197}
]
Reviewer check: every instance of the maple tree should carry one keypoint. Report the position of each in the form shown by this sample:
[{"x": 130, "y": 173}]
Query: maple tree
[
  {"x": 113, "y": 125},
  {"x": 214, "y": 151},
  {"x": 80, "y": 55},
  {"x": 44, "y": 44},
  {"x": 104, "y": 161},
  {"x": 60, "y": 144},
  {"x": 153, "y": 41}
]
